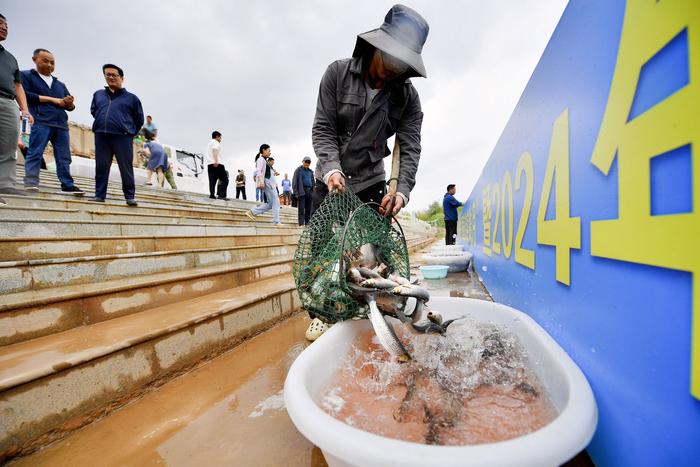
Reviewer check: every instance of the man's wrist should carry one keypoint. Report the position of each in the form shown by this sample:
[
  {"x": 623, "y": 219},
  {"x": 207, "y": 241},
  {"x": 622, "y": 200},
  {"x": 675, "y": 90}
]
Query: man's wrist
[
  {"x": 403, "y": 197},
  {"x": 330, "y": 173}
]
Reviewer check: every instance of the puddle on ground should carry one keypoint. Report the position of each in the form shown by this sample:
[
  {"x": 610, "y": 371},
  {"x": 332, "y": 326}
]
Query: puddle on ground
[{"x": 473, "y": 386}]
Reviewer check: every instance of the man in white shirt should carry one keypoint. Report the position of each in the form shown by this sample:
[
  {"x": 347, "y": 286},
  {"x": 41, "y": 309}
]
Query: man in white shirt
[{"x": 215, "y": 169}]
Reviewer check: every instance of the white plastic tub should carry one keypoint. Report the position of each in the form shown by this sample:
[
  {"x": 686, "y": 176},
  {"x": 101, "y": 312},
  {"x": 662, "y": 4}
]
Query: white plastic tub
[
  {"x": 343, "y": 445},
  {"x": 437, "y": 249},
  {"x": 457, "y": 261}
]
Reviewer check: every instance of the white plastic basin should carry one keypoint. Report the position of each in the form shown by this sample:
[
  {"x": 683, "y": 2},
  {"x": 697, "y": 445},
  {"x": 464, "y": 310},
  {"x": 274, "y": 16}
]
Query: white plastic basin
[
  {"x": 447, "y": 248},
  {"x": 456, "y": 260},
  {"x": 342, "y": 445}
]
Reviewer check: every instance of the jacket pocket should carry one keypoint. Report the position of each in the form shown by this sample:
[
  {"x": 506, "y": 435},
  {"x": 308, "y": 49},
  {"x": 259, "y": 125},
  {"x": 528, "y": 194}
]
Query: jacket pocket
[{"x": 349, "y": 113}]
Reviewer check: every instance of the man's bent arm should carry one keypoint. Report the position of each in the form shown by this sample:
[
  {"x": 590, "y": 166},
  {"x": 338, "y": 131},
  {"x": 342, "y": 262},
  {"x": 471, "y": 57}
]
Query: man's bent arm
[
  {"x": 324, "y": 132},
  {"x": 408, "y": 134}
]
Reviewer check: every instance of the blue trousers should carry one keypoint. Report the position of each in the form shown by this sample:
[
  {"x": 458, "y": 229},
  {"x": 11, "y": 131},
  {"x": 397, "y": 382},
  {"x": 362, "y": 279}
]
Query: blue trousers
[
  {"x": 39, "y": 138},
  {"x": 108, "y": 145}
]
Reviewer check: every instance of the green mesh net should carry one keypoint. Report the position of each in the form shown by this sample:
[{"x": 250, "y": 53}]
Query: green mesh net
[{"x": 331, "y": 242}]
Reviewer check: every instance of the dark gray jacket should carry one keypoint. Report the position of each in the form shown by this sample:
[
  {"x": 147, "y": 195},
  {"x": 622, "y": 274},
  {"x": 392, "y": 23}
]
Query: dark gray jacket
[{"x": 347, "y": 138}]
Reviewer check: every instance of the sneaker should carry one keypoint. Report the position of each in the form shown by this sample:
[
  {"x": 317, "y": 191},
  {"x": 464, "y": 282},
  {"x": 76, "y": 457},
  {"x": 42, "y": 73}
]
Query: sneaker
[
  {"x": 12, "y": 191},
  {"x": 316, "y": 329},
  {"x": 95, "y": 199},
  {"x": 149, "y": 184},
  {"x": 212, "y": 197},
  {"x": 2, "y": 202},
  {"x": 31, "y": 189},
  {"x": 250, "y": 215},
  {"x": 74, "y": 190},
  {"x": 223, "y": 199},
  {"x": 131, "y": 202}
]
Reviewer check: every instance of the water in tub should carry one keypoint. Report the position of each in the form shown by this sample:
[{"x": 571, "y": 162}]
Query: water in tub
[{"x": 471, "y": 386}]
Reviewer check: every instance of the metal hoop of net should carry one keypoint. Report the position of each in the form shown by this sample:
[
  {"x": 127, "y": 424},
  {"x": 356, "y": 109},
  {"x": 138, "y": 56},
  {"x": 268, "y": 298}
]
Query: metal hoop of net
[{"x": 331, "y": 242}]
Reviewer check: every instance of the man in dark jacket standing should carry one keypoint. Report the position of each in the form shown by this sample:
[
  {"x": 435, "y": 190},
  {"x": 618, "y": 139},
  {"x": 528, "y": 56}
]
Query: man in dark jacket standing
[
  {"x": 364, "y": 100},
  {"x": 118, "y": 118},
  {"x": 302, "y": 187},
  {"x": 449, "y": 208},
  {"x": 48, "y": 100}
]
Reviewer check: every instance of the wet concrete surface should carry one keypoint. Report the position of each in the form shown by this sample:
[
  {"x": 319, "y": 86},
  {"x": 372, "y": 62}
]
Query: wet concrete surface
[{"x": 229, "y": 411}]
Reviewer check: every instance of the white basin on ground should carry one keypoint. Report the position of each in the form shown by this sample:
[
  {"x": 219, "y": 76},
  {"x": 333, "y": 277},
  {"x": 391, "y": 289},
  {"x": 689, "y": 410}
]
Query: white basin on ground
[
  {"x": 437, "y": 249},
  {"x": 343, "y": 445},
  {"x": 456, "y": 260}
]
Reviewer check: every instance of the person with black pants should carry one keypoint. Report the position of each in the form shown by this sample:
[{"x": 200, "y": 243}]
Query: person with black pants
[
  {"x": 302, "y": 188},
  {"x": 118, "y": 118},
  {"x": 215, "y": 169},
  {"x": 449, "y": 207}
]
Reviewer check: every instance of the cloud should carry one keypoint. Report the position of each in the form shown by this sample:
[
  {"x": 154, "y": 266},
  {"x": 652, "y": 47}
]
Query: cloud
[{"x": 251, "y": 69}]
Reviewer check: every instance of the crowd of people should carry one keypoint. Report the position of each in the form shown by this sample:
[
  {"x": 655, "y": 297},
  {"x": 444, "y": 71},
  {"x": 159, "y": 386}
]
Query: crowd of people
[{"x": 350, "y": 141}]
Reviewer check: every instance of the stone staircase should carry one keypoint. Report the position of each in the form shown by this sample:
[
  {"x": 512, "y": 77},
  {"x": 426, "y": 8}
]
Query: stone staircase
[{"x": 100, "y": 303}]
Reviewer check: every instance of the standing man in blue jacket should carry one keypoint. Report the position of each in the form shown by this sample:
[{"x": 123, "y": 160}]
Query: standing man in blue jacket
[
  {"x": 449, "y": 207},
  {"x": 118, "y": 118},
  {"x": 48, "y": 100},
  {"x": 302, "y": 187}
]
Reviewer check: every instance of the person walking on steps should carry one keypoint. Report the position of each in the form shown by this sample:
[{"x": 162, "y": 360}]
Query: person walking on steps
[
  {"x": 449, "y": 208},
  {"x": 303, "y": 186},
  {"x": 218, "y": 177},
  {"x": 263, "y": 175},
  {"x": 48, "y": 99},
  {"x": 364, "y": 100},
  {"x": 118, "y": 118},
  {"x": 10, "y": 91}
]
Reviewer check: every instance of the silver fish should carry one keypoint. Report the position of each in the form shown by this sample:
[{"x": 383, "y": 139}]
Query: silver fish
[
  {"x": 368, "y": 273},
  {"x": 409, "y": 290},
  {"x": 399, "y": 280},
  {"x": 354, "y": 276},
  {"x": 380, "y": 283},
  {"x": 385, "y": 333}
]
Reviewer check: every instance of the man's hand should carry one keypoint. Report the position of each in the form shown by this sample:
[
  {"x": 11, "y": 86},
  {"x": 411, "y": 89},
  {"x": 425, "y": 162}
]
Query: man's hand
[
  {"x": 26, "y": 113},
  {"x": 336, "y": 182},
  {"x": 68, "y": 103},
  {"x": 390, "y": 205}
]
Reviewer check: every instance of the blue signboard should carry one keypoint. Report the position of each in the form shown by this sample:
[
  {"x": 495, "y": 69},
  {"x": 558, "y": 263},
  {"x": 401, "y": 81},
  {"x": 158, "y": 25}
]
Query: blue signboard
[{"x": 587, "y": 217}]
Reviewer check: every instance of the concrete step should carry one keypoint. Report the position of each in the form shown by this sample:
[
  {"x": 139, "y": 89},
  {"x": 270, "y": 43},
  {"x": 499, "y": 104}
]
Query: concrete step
[
  {"x": 37, "y": 248},
  {"x": 60, "y": 382},
  {"x": 192, "y": 210},
  {"x": 21, "y": 276},
  {"x": 35, "y": 313},
  {"x": 28, "y": 227},
  {"x": 51, "y": 183},
  {"x": 43, "y": 213}
]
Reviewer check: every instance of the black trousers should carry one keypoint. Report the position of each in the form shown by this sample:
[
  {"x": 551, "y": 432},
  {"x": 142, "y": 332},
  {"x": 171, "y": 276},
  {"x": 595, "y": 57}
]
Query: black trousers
[
  {"x": 304, "y": 208},
  {"x": 240, "y": 190},
  {"x": 107, "y": 146},
  {"x": 371, "y": 194},
  {"x": 450, "y": 232},
  {"x": 217, "y": 174}
]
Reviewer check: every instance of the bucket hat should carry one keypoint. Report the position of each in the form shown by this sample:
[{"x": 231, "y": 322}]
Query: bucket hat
[{"x": 402, "y": 35}]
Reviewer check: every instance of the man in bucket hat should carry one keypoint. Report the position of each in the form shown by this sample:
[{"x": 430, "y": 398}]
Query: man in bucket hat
[{"x": 364, "y": 100}]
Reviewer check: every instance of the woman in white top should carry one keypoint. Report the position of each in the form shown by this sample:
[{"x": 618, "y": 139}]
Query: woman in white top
[{"x": 263, "y": 174}]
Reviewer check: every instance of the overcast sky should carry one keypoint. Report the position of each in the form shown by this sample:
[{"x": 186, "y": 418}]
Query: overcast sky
[{"x": 251, "y": 70}]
